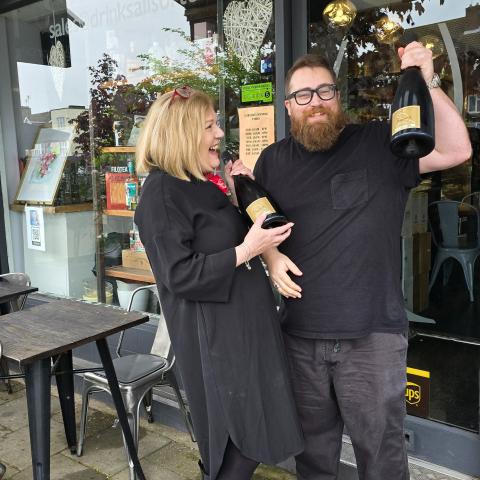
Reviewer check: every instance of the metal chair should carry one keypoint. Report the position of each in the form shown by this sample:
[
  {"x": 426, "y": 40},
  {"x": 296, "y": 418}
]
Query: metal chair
[
  {"x": 137, "y": 375},
  {"x": 14, "y": 305},
  {"x": 455, "y": 228},
  {"x": 472, "y": 199}
]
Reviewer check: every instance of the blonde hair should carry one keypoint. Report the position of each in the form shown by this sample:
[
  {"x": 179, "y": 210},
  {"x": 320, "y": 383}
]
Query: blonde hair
[{"x": 171, "y": 135}]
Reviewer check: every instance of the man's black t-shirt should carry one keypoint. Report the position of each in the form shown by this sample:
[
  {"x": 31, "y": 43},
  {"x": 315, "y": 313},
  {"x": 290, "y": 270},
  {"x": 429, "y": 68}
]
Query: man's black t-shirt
[{"x": 347, "y": 204}]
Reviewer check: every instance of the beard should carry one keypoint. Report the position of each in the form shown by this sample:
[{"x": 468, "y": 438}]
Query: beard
[{"x": 318, "y": 136}]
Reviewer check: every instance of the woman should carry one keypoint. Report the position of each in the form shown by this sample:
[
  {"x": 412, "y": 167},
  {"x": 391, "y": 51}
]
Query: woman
[{"x": 216, "y": 299}]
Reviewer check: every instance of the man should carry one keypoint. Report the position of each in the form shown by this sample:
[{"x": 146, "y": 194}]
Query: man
[{"x": 345, "y": 327}]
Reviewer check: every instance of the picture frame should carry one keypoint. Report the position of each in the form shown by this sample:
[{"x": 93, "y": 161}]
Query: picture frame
[{"x": 45, "y": 163}]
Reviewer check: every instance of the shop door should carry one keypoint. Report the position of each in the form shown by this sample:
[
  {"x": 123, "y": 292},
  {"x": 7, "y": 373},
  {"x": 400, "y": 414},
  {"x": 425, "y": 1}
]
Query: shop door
[{"x": 360, "y": 40}]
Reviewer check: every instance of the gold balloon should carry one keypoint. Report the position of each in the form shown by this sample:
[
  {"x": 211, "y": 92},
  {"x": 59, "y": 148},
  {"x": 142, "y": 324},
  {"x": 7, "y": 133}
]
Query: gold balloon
[
  {"x": 387, "y": 31},
  {"x": 339, "y": 13},
  {"x": 434, "y": 44}
]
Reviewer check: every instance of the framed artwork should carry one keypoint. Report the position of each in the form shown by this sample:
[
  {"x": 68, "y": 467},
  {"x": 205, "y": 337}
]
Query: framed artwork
[{"x": 45, "y": 163}]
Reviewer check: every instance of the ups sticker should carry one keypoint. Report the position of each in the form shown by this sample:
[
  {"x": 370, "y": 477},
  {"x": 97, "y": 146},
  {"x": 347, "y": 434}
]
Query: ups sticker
[
  {"x": 417, "y": 393},
  {"x": 413, "y": 393}
]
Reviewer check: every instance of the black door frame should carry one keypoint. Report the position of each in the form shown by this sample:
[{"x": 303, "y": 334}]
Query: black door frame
[{"x": 290, "y": 43}]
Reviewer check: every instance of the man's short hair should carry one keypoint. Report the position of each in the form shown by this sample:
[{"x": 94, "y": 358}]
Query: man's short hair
[{"x": 308, "y": 60}]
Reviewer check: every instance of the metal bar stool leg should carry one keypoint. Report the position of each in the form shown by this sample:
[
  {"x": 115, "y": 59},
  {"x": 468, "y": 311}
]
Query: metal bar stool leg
[
  {"x": 83, "y": 419},
  {"x": 147, "y": 403}
]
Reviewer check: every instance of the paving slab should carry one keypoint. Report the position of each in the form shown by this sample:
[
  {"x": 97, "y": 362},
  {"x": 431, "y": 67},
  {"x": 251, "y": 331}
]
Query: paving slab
[
  {"x": 104, "y": 451},
  {"x": 64, "y": 468},
  {"x": 151, "y": 471},
  {"x": 272, "y": 473},
  {"x": 4, "y": 431},
  {"x": 179, "y": 459},
  {"x": 18, "y": 391},
  {"x": 14, "y": 413},
  {"x": 15, "y": 447},
  {"x": 97, "y": 421},
  {"x": 11, "y": 471}
]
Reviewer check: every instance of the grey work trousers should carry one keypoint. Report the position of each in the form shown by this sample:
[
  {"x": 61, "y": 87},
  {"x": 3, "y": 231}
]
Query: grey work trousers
[{"x": 356, "y": 383}]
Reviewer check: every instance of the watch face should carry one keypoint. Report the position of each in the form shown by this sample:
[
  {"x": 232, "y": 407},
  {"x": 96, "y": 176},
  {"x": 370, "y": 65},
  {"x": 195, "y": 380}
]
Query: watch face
[{"x": 435, "y": 81}]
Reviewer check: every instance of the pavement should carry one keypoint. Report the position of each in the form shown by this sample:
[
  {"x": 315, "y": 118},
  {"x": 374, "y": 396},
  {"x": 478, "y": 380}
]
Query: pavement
[{"x": 165, "y": 453}]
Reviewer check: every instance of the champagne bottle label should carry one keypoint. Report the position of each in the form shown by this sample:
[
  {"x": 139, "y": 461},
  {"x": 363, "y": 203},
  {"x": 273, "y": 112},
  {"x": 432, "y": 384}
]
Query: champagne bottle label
[
  {"x": 406, "y": 117},
  {"x": 259, "y": 206}
]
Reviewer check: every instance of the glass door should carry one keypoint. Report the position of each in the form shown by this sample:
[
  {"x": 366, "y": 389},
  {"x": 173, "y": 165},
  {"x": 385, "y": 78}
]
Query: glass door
[{"x": 360, "y": 40}]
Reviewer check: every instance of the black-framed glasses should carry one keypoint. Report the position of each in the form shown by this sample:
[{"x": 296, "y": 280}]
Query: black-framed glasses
[{"x": 304, "y": 96}]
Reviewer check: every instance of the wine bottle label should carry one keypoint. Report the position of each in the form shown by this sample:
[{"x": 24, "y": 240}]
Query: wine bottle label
[
  {"x": 259, "y": 206},
  {"x": 406, "y": 117}
]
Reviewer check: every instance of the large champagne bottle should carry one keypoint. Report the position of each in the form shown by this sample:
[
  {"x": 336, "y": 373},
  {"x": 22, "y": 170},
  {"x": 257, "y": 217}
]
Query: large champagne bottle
[
  {"x": 253, "y": 200},
  {"x": 413, "y": 121}
]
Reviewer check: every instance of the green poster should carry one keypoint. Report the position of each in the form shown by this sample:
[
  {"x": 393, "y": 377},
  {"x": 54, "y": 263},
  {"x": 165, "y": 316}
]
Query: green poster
[{"x": 257, "y": 92}]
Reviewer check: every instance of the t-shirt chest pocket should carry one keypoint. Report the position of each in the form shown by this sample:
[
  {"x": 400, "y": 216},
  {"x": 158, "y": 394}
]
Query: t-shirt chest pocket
[{"x": 349, "y": 189}]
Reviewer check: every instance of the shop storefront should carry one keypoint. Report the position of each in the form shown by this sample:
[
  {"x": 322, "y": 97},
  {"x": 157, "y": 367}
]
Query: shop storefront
[{"x": 78, "y": 77}]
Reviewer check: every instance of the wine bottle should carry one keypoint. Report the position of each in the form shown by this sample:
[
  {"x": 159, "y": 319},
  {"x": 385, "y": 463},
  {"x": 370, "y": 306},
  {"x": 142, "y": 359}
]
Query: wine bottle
[
  {"x": 413, "y": 120},
  {"x": 253, "y": 200}
]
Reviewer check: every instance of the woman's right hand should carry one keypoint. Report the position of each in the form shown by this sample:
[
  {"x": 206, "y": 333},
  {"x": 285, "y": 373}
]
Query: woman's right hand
[{"x": 259, "y": 239}]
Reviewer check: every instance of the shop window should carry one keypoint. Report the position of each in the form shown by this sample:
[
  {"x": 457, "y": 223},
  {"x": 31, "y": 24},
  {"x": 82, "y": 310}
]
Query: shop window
[
  {"x": 362, "y": 48},
  {"x": 85, "y": 74}
]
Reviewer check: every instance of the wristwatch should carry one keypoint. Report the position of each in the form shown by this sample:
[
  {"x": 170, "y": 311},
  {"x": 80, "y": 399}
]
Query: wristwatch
[{"x": 435, "y": 82}]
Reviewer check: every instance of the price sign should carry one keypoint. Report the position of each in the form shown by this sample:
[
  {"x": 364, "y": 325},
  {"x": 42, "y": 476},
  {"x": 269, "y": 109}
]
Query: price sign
[{"x": 257, "y": 131}]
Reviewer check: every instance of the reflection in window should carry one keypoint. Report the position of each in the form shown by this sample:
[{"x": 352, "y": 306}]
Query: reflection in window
[{"x": 364, "y": 55}]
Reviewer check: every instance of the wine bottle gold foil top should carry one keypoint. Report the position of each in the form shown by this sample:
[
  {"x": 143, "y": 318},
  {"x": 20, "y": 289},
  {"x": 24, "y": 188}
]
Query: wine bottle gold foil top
[
  {"x": 259, "y": 206},
  {"x": 406, "y": 117}
]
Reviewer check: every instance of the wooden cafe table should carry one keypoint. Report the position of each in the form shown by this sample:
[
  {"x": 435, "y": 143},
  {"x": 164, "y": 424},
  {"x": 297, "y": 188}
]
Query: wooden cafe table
[
  {"x": 34, "y": 337},
  {"x": 11, "y": 291}
]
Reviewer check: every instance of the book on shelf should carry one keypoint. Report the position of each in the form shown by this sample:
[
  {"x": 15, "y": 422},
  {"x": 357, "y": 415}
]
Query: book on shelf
[{"x": 115, "y": 190}]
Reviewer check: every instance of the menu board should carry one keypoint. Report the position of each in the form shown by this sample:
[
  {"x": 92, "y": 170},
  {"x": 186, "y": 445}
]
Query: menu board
[{"x": 257, "y": 131}]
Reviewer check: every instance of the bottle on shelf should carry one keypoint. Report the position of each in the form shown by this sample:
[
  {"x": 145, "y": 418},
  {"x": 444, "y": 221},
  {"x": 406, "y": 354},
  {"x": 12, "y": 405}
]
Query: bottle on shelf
[
  {"x": 413, "y": 119},
  {"x": 136, "y": 244},
  {"x": 253, "y": 200},
  {"x": 131, "y": 186}
]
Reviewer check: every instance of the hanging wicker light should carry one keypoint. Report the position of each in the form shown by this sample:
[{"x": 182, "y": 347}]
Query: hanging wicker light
[
  {"x": 387, "y": 30},
  {"x": 339, "y": 13},
  {"x": 434, "y": 44}
]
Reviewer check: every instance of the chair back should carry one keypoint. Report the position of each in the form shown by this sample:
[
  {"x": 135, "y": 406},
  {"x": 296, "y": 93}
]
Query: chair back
[
  {"x": 454, "y": 224},
  {"x": 472, "y": 199},
  {"x": 17, "y": 278},
  {"x": 161, "y": 343}
]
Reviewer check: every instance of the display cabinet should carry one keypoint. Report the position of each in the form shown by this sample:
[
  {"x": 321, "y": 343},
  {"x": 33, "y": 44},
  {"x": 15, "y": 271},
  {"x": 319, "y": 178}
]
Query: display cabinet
[{"x": 119, "y": 255}]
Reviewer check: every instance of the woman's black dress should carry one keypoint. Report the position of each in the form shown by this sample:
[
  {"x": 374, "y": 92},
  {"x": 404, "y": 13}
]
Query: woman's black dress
[{"x": 222, "y": 321}]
